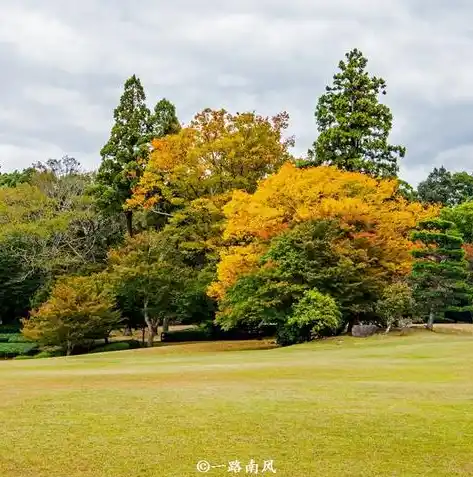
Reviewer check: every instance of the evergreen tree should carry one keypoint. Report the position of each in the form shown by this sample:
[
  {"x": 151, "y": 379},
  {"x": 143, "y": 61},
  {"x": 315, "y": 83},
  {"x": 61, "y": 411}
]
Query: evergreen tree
[
  {"x": 440, "y": 271},
  {"x": 128, "y": 143},
  {"x": 354, "y": 126},
  {"x": 443, "y": 187},
  {"x": 164, "y": 120}
]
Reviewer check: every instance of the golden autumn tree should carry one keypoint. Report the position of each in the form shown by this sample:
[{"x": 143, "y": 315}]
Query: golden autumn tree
[
  {"x": 216, "y": 153},
  {"x": 373, "y": 219},
  {"x": 79, "y": 310}
]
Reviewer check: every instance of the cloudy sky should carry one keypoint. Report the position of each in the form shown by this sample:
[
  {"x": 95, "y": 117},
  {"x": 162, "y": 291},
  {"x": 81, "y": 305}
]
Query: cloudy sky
[{"x": 63, "y": 65}]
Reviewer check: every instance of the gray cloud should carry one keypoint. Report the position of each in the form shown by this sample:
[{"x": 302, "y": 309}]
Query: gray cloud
[{"x": 64, "y": 64}]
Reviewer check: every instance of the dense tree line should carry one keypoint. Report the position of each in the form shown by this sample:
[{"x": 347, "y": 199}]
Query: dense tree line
[{"x": 216, "y": 223}]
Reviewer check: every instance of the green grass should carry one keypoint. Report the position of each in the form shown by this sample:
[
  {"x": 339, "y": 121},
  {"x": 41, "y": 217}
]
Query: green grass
[{"x": 384, "y": 406}]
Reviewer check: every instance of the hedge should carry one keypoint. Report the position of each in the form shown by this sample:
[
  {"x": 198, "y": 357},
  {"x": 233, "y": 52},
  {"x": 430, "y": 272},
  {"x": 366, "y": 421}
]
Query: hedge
[
  {"x": 18, "y": 338},
  {"x": 10, "y": 350},
  {"x": 191, "y": 334},
  {"x": 11, "y": 328},
  {"x": 13, "y": 338},
  {"x": 210, "y": 333},
  {"x": 117, "y": 346}
]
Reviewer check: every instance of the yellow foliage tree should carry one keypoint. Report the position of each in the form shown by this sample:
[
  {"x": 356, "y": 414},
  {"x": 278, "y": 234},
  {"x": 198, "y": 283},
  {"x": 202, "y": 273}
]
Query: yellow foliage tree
[
  {"x": 79, "y": 310},
  {"x": 216, "y": 153},
  {"x": 370, "y": 210}
]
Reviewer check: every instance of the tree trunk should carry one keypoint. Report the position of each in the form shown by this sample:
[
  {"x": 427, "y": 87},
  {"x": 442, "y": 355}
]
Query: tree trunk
[
  {"x": 106, "y": 340},
  {"x": 70, "y": 346},
  {"x": 129, "y": 222},
  {"x": 430, "y": 323},
  {"x": 128, "y": 331},
  {"x": 149, "y": 324},
  {"x": 143, "y": 335},
  {"x": 351, "y": 323},
  {"x": 151, "y": 335},
  {"x": 165, "y": 325}
]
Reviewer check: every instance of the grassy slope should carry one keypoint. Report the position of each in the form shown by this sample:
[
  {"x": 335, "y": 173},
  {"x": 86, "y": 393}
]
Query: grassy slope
[{"x": 386, "y": 406}]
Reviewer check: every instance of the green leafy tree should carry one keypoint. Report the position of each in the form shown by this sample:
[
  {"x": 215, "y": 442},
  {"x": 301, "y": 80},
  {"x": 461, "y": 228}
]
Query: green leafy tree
[
  {"x": 12, "y": 179},
  {"x": 313, "y": 316},
  {"x": 462, "y": 216},
  {"x": 192, "y": 238},
  {"x": 257, "y": 299},
  {"x": 443, "y": 187},
  {"x": 313, "y": 255},
  {"x": 49, "y": 227},
  {"x": 19, "y": 282},
  {"x": 440, "y": 271},
  {"x": 396, "y": 305},
  {"x": 353, "y": 125},
  {"x": 146, "y": 278},
  {"x": 463, "y": 186},
  {"x": 79, "y": 310}
]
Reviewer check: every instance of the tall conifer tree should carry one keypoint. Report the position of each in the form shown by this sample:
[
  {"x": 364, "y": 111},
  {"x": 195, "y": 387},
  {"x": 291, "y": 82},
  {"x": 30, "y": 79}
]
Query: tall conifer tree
[{"x": 353, "y": 125}]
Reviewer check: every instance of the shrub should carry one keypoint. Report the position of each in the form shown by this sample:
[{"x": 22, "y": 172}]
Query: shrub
[
  {"x": 314, "y": 316},
  {"x": 13, "y": 338},
  {"x": 134, "y": 344},
  {"x": 10, "y": 350},
  {"x": 21, "y": 357},
  {"x": 191, "y": 334},
  {"x": 210, "y": 332},
  {"x": 117, "y": 346},
  {"x": 288, "y": 335},
  {"x": 396, "y": 306},
  {"x": 49, "y": 354}
]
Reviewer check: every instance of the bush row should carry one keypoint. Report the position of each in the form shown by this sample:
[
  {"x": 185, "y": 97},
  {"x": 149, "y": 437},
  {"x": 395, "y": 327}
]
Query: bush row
[
  {"x": 10, "y": 350},
  {"x": 11, "y": 328},
  {"x": 117, "y": 346},
  {"x": 30, "y": 350},
  {"x": 13, "y": 338},
  {"x": 211, "y": 333}
]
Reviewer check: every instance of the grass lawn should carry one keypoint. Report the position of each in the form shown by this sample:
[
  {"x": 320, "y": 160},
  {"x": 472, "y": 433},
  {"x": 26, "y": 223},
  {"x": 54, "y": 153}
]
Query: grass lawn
[{"x": 384, "y": 406}]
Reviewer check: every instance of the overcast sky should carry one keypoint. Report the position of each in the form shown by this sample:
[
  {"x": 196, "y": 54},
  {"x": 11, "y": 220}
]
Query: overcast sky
[{"x": 63, "y": 65}]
